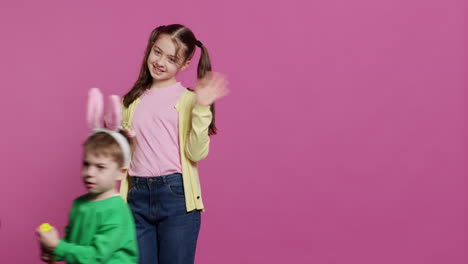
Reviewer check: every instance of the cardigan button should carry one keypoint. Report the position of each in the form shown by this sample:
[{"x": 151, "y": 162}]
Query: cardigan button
[{"x": 198, "y": 197}]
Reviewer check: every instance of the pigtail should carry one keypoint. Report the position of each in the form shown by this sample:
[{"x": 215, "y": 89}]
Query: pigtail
[{"x": 204, "y": 66}]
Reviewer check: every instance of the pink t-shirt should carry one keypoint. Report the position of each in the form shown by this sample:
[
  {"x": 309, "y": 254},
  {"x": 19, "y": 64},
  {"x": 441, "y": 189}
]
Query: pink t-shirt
[{"x": 155, "y": 123}]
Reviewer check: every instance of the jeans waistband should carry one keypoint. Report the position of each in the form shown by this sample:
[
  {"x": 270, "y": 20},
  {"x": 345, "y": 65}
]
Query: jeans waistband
[{"x": 158, "y": 179}]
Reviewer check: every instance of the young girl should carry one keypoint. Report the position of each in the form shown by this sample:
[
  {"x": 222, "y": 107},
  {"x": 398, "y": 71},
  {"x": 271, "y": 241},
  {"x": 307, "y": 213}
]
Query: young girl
[{"x": 172, "y": 126}]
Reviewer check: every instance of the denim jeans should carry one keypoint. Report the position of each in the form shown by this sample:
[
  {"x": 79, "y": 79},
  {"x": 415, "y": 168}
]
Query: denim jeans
[{"x": 166, "y": 232}]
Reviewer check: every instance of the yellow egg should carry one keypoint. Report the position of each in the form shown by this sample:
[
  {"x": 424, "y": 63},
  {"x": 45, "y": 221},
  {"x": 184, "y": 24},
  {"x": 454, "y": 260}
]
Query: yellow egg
[{"x": 46, "y": 227}]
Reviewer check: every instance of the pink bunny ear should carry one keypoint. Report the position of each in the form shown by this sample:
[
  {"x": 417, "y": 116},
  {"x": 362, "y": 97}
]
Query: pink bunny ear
[
  {"x": 114, "y": 113},
  {"x": 95, "y": 108}
]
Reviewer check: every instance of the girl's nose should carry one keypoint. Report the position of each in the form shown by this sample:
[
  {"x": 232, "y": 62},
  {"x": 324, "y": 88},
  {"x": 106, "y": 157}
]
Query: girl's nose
[{"x": 159, "y": 61}]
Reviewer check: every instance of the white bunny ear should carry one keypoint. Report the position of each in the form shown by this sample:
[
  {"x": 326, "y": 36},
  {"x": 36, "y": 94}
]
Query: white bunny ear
[
  {"x": 114, "y": 113},
  {"x": 95, "y": 108}
]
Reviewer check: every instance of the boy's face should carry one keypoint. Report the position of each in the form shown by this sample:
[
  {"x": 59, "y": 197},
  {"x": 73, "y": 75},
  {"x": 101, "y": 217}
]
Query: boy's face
[{"x": 100, "y": 175}]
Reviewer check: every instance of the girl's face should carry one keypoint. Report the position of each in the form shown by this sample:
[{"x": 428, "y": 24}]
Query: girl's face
[{"x": 164, "y": 63}]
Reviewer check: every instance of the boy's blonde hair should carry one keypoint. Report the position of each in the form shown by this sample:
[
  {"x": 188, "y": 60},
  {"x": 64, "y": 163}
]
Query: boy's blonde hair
[{"x": 103, "y": 144}]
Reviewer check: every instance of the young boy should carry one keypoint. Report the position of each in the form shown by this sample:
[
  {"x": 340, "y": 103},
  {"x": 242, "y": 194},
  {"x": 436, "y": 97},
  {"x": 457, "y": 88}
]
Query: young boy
[{"x": 101, "y": 227}]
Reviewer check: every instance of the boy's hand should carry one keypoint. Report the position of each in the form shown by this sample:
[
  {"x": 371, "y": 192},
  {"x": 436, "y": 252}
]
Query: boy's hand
[
  {"x": 49, "y": 240},
  {"x": 46, "y": 257}
]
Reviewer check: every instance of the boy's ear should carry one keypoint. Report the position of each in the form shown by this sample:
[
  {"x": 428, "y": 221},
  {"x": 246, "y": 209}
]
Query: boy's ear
[{"x": 123, "y": 173}]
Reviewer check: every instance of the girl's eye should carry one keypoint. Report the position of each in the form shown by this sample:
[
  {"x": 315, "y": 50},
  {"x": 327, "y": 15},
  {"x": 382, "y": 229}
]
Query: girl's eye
[
  {"x": 172, "y": 60},
  {"x": 157, "y": 52},
  {"x": 101, "y": 167}
]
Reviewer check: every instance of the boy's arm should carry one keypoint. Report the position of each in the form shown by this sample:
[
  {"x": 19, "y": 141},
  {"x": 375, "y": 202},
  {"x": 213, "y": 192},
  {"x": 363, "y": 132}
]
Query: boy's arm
[
  {"x": 51, "y": 234},
  {"x": 105, "y": 242},
  {"x": 70, "y": 223}
]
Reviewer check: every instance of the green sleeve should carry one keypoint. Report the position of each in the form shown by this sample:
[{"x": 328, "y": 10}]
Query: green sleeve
[
  {"x": 69, "y": 225},
  {"x": 105, "y": 242}
]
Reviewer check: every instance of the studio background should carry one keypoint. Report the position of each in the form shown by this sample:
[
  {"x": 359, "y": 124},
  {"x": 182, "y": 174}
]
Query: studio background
[{"x": 344, "y": 138}]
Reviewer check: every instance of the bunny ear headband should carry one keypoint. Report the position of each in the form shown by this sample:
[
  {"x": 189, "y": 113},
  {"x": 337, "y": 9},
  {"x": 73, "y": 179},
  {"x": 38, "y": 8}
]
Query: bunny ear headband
[{"x": 112, "y": 120}]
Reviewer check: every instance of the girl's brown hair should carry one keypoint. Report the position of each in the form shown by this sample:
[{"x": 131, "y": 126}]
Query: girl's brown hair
[{"x": 183, "y": 38}]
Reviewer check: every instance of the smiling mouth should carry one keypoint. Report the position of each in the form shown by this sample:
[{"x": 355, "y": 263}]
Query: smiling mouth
[{"x": 157, "y": 70}]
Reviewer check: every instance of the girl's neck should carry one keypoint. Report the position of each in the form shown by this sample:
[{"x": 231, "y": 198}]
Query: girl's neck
[{"x": 163, "y": 84}]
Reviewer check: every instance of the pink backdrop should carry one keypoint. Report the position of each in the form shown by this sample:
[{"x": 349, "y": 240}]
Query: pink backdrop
[{"x": 344, "y": 139}]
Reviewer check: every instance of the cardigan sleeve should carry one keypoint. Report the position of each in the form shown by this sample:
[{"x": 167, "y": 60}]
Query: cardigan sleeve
[{"x": 198, "y": 141}]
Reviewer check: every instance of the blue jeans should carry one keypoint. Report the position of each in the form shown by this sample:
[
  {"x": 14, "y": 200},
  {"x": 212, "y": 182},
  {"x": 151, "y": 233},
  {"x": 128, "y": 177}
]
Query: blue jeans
[{"x": 166, "y": 232}]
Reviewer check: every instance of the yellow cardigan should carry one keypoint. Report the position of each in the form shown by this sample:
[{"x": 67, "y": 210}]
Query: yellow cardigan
[{"x": 193, "y": 140}]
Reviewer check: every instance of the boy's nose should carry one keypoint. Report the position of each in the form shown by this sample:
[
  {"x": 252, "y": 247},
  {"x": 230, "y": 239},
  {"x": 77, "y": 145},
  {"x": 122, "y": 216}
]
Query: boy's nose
[{"x": 90, "y": 172}]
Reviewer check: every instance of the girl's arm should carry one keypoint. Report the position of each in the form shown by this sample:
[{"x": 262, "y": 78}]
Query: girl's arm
[
  {"x": 208, "y": 89},
  {"x": 198, "y": 141}
]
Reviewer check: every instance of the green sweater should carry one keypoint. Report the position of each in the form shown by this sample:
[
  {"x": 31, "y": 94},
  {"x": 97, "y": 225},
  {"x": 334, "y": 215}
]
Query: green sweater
[{"x": 99, "y": 232}]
